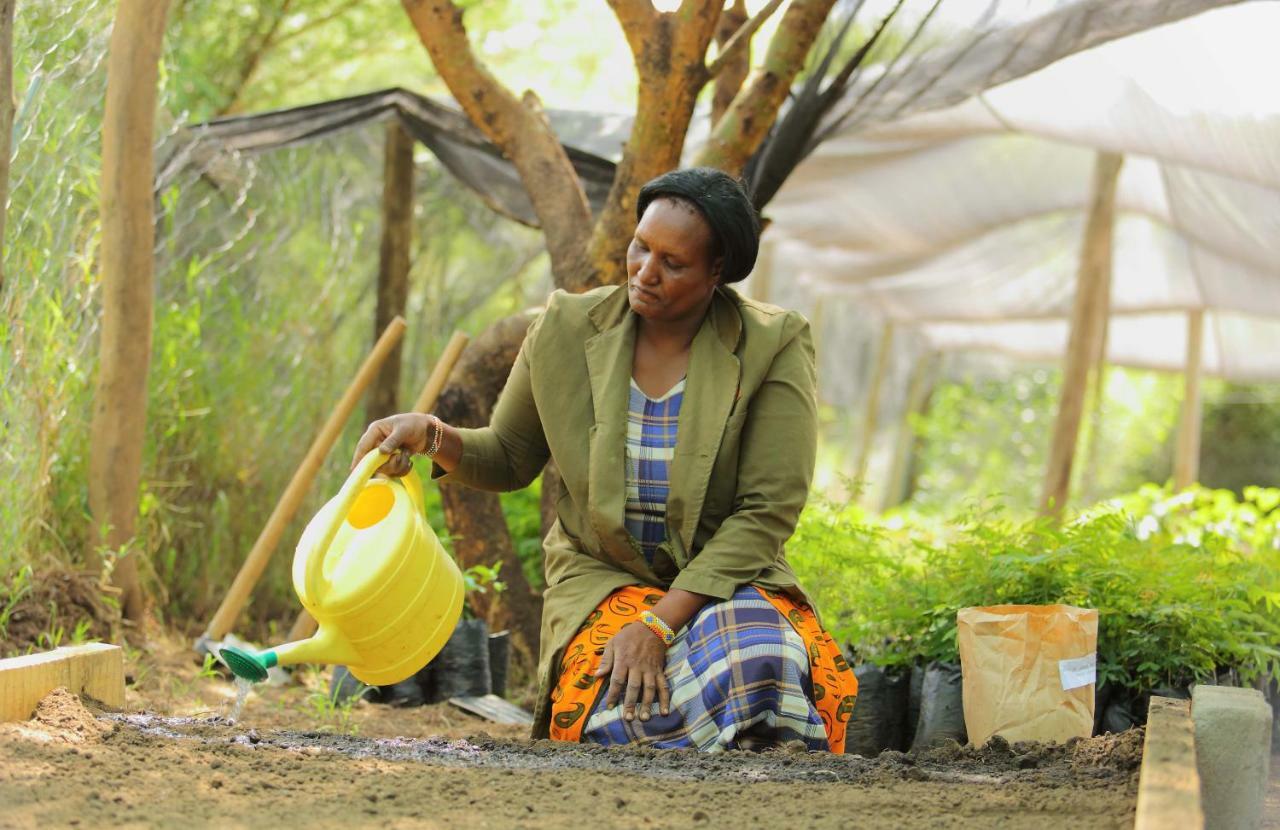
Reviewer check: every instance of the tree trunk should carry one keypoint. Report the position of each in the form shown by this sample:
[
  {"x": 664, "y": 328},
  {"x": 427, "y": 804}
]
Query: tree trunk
[
  {"x": 393, "y": 261},
  {"x": 668, "y": 51},
  {"x": 6, "y": 116},
  {"x": 474, "y": 518},
  {"x": 128, "y": 235}
]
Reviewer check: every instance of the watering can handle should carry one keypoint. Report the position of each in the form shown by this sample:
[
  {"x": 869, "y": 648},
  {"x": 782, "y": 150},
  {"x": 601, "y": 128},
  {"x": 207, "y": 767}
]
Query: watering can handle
[{"x": 346, "y": 498}]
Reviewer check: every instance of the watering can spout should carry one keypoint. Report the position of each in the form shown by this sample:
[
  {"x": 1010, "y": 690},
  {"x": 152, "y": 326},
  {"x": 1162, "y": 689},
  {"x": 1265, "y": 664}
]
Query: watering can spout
[{"x": 327, "y": 646}]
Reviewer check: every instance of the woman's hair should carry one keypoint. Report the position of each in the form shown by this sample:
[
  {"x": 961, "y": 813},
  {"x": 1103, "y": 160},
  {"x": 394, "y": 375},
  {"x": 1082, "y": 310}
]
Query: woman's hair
[{"x": 724, "y": 204}]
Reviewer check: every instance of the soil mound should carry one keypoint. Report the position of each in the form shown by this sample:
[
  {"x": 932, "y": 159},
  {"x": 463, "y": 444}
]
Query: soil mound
[{"x": 62, "y": 717}]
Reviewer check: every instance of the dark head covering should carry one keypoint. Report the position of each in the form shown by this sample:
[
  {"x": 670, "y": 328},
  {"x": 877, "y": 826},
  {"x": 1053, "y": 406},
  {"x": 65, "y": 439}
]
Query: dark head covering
[{"x": 724, "y": 204}]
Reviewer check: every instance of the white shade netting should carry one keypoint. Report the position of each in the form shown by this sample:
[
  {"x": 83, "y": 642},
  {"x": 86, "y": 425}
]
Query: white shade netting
[{"x": 967, "y": 222}]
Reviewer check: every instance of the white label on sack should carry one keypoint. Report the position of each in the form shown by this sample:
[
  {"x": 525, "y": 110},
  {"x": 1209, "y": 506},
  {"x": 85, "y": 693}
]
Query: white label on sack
[{"x": 1078, "y": 671}]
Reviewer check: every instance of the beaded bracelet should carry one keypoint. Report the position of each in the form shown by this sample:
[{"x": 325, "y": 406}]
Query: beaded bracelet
[
  {"x": 436, "y": 438},
  {"x": 659, "y": 628}
]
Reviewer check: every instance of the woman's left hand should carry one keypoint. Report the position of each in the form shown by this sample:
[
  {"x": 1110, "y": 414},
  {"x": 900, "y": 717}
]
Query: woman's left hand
[{"x": 637, "y": 661}]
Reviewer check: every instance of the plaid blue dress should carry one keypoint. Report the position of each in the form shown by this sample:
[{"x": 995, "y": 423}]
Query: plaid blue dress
[{"x": 738, "y": 672}]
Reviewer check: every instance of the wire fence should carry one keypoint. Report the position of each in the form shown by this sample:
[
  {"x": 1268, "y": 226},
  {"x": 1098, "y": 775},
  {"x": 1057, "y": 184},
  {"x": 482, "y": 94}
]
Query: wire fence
[{"x": 264, "y": 295}]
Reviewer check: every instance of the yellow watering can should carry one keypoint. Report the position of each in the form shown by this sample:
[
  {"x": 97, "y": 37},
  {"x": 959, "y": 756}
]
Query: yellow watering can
[{"x": 373, "y": 574}]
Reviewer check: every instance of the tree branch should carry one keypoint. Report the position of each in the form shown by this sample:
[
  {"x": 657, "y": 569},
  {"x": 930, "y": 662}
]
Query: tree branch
[
  {"x": 740, "y": 132},
  {"x": 637, "y": 18},
  {"x": 742, "y": 38},
  {"x": 520, "y": 129}
]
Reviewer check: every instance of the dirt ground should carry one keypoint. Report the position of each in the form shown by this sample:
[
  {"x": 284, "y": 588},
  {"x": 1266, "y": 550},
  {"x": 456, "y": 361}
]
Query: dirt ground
[{"x": 173, "y": 759}]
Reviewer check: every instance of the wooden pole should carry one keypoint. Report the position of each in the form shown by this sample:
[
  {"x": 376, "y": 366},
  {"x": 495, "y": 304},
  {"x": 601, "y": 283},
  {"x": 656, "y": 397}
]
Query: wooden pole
[
  {"x": 1186, "y": 461},
  {"x": 305, "y": 625},
  {"x": 873, "y": 403},
  {"x": 6, "y": 115},
  {"x": 918, "y": 392},
  {"x": 293, "y": 495},
  {"x": 1090, "y": 310},
  {"x": 1097, "y": 396},
  {"x": 393, "y": 261},
  {"x": 119, "y": 421}
]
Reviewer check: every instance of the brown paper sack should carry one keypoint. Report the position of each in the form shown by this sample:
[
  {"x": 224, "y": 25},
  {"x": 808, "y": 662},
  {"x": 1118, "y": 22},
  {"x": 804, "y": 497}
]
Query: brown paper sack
[{"x": 1029, "y": 671}]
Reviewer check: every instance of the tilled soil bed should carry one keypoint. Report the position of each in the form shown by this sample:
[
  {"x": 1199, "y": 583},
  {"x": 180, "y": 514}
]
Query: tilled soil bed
[{"x": 143, "y": 770}]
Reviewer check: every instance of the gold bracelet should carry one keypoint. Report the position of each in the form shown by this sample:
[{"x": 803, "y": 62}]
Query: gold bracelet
[{"x": 659, "y": 628}]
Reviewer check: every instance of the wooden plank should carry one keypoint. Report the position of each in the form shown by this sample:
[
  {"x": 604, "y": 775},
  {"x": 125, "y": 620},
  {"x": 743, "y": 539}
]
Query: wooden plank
[
  {"x": 1186, "y": 459},
  {"x": 1089, "y": 316},
  {"x": 95, "y": 670},
  {"x": 1169, "y": 783},
  {"x": 493, "y": 708}
]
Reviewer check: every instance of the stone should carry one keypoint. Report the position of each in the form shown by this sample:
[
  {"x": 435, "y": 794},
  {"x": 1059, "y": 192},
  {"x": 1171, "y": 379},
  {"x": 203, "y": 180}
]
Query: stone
[{"x": 1233, "y": 753}]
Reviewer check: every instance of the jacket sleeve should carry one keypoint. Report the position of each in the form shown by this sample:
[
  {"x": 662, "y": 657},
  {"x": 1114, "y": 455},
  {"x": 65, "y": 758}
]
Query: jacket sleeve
[
  {"x": 775, "y": 470},
  {"x": 510, "y": 452}
]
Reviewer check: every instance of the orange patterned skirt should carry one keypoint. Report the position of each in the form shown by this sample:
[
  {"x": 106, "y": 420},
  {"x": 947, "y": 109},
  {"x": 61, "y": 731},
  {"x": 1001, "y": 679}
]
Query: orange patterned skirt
[{"x": 834, "y": 687}]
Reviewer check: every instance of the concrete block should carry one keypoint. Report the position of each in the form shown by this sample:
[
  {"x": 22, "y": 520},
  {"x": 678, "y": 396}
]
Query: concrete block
[{"x": 1233, "y": 751}]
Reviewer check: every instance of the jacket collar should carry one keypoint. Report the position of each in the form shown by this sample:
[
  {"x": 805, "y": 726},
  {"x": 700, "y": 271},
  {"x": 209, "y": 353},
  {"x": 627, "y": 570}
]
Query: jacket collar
[
  {"x": 711, "y": 391},
  {"x": 613, "y": 309}
]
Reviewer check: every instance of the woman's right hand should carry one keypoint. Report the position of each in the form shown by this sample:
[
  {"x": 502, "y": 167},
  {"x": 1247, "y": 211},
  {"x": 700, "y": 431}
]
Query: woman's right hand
[{"x": 399, "y": 436}]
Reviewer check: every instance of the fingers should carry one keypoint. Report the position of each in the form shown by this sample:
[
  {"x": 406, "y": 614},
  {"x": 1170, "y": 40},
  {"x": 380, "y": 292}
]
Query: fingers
[
  {"x": 373, "y": 436},
  {"x": 617, "y": 686},
  {"x": 635, "y": 684},
  {"x": 650, "y": 692},
  {"x": 398, "y": 436},
  {"x": 664, "y": 695}
]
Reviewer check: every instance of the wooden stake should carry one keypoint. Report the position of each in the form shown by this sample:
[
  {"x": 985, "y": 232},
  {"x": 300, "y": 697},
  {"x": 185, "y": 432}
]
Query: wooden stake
[
  {"x": 1186, "y": 461},
  {"x": 1091, "y": 308},
  {"x": 440, "y": 374},
  {"x": 94, "y": 670},
  {"x": 918, "y": 392},
  {"x": 393, "y": 261},
  {"x": 288, "y": 505},
  {"x": 127, "y": 208},
  {"x": 305, "y": 625},
  {"x": 873, "y": 403}
]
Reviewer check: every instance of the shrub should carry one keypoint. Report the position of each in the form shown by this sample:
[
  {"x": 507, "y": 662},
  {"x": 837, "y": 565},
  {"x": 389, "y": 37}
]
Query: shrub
[{"x": 1180, "y": 597}]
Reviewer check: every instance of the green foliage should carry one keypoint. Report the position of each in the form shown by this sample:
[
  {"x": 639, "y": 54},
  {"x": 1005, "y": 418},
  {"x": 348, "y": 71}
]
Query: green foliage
[
  {"x": 988, "y": 430},
  {"x": 523, "y": 511},
  {"x": 332, "y": 714},
  {"x": 10, "y": 595},
  {"x": 1178, "y": 601},
  {"x": 478, "y": 580},
  {"x": 1239, "y": 443}
]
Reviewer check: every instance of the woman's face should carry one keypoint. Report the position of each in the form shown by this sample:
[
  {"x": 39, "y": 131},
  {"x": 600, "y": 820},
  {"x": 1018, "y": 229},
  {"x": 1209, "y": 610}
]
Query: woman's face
[{"x": 670, "y": 273}]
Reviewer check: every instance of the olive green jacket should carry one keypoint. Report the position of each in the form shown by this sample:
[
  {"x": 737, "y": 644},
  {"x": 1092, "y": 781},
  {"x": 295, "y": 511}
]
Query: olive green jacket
[{"x": 744, "y": 454}]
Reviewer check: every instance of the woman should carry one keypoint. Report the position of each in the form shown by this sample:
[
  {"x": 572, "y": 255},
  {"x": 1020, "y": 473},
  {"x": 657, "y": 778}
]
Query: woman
[{"x": 682, "y": 418}]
